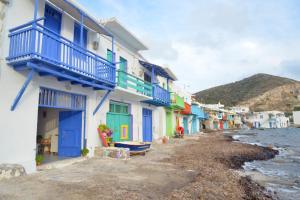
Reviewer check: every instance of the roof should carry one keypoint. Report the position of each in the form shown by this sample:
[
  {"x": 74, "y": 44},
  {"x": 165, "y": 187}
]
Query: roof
[
  {"x": 124, "y": 34},
  {"x": 74, "y": 9},
  {"x": 164, "y": 72}
]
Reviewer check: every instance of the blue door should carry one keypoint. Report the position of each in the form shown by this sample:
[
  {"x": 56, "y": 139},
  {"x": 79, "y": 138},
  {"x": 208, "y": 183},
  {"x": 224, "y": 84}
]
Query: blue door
[
  {"x": 147, "y": 125},
  {"x": 77, "y": 35},
  {"x": 185, "y": 125},
  {"x": 69, "y": 137},
  {"x": 194, "y": 124},
  {"x": 51, "y": 43}
]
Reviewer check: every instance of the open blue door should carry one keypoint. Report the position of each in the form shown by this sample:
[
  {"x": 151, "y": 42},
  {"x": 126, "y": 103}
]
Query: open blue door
[
  {"x": 147, "y": 125},
  {"x": 51, "y": 43},
  {"x": 69, "y": 137}
]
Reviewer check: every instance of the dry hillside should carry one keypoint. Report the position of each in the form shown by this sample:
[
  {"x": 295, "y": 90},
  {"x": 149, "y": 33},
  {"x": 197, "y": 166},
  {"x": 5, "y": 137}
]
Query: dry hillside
[{"x": 259, "y": 92}]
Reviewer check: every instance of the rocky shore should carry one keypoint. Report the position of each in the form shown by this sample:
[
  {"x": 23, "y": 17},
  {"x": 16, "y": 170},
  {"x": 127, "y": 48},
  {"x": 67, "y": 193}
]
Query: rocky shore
[
  {"x": 197, "y": 167},
  {"x": 216, "y": 157}
]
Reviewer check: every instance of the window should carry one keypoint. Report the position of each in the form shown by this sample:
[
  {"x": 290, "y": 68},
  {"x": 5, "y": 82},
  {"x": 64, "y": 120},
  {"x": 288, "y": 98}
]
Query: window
[
  {"x": 123, "y": 64},
  {"x": 147, "y": 77},
  {"x": 109, "y": 55},
  {"x": 116, "y": 107}
]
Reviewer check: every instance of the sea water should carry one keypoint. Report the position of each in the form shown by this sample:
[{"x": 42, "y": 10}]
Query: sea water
[{"x": 281, "y": 174}]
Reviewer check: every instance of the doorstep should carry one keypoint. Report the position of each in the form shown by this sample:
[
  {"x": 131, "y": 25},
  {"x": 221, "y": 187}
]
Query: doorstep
[{"x": 60, "y": 163}]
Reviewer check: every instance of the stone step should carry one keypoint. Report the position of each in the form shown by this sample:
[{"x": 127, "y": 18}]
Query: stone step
[{"x": 112, "y": 152}]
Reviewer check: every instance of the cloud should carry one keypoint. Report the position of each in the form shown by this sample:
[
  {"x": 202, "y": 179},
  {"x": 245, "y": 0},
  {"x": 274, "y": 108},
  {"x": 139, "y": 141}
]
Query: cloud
[{"x": 207, "y": 43}]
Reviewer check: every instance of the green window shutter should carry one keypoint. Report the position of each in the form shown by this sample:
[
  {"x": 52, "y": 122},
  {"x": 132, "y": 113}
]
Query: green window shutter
[{"x": 109, "y": 55}]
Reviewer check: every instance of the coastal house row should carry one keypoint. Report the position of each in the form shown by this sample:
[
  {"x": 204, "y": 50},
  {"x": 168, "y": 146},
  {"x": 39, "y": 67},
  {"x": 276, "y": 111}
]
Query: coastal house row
[
  {"x": 64, "y": 72},
  {"x": 219, "y": 118},
  {"x": 268, "y": 119}
]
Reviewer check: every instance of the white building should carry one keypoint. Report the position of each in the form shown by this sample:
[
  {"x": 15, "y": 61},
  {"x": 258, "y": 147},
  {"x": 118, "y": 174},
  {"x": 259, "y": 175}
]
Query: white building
[
  {"x": 240, "y": 109},
  {"x": 269, "y": 119},
  {"x": 63, "y": 73},
  {"x": 296, "y": 116}
]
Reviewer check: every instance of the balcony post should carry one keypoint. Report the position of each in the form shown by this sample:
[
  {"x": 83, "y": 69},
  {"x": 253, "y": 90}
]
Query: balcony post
[
  {"x": 113, "y": 49},
  {"x": 168, "y": 84},
  {"x": 36, "y": 7},
  {"x": 153, "y": 75},
  {"x": 81, "y": 29}
]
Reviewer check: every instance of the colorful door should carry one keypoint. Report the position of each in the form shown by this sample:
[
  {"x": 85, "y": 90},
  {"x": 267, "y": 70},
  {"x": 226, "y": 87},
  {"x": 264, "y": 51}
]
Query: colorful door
[
  {"x": 119, "y": 120},
  {"x": 194, "y": 125},
  {"x": 185, "y": 125},
  {"x": 225, "y": 125},
  {"x": 51, "y": 44},
  {"x": 221, "y": 125},
  {"x": 147, "y": 125},
  {"x": 77, "y": 30},
  {"x": 69, "y": 133},
  {"x": 169, "y": 121},
  {"x": 109, "y": 55},
  {"x": 215, "y": 125}
]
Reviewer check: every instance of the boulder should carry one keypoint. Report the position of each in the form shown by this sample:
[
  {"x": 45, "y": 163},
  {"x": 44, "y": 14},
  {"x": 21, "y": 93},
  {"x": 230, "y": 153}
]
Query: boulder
[{"x": 11, "y": 170}]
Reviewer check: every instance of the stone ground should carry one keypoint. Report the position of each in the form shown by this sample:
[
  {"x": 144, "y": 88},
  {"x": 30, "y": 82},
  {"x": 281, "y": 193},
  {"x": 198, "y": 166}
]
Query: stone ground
[{"x": 194, "y": 168}]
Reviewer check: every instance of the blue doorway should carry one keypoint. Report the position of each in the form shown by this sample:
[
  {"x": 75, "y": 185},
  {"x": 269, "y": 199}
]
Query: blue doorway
[
  {"x": 185, "y": 125},
  {"x": 147, "y": 125},
  {"x": 69, "y": 137},
  {"x": 194, "y": 125},
  {"x": 51, "y": 43}
]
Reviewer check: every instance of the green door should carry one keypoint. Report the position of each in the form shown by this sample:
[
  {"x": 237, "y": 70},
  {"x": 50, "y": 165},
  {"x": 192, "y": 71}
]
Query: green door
[
  {"x": 119, "y": 120},
  {"x": 109, "y": 55},
  {"x": 122, "y": 79},
  {"x": 169, "y": 120}
]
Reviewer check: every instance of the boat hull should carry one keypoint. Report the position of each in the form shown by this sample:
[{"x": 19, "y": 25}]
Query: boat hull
[{"x": 133, "y": 147}]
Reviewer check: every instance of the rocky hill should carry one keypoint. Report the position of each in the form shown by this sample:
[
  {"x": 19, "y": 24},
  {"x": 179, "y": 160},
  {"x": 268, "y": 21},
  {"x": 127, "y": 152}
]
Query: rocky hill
[{"x": 259, "y": 92}]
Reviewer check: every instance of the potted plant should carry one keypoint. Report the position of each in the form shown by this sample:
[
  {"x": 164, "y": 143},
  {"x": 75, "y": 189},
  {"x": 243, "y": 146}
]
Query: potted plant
[
  {"x": 105, "y": 134},
  {"x": 39, "y": 159},
  {"x": 85, "y": 152}
]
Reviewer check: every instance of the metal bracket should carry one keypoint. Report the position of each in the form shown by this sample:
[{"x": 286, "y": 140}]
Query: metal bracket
[
  {"x": 101, "y": 102},
  {"x": 22, "y": 90}
]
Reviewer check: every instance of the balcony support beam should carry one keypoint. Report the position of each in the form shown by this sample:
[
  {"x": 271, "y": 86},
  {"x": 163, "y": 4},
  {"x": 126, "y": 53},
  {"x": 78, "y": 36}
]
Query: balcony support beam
[
  {"x": 36, "y": 7},
  {"x": 102, "y": 101},
  {"x": 22, "y": 90}
]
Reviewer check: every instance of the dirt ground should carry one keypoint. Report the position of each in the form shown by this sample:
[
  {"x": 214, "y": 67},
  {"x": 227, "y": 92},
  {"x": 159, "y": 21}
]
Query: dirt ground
[{"x": 192, "y": 168}]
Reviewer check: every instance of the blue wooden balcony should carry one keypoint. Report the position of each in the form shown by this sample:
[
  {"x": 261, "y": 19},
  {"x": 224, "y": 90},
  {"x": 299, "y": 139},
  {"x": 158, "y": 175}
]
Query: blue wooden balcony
[
  {"x": 33, "y": 46},
  {"x": 161, "y": 96}
]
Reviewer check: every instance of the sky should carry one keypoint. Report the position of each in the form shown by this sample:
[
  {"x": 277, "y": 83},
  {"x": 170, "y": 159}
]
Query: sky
[{"x": 209, "y": 43}]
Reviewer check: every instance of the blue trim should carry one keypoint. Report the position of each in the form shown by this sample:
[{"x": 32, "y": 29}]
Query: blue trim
[
  {"x": 22, "y": 90},
  {"x": 91, "y": 68},
  {"x": 158, "y": 69},
  {"x": 96, "y": 86},
  {"x": 101, "y": 102},
  {"x": 84, "y": 124},
  {"x": 52, "y": 98}
]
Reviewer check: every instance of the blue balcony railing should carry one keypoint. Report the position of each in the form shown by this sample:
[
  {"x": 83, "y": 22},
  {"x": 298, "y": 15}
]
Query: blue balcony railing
[
  {"x": 161, "y": 95},
  {"x": 35, "y": 43}
]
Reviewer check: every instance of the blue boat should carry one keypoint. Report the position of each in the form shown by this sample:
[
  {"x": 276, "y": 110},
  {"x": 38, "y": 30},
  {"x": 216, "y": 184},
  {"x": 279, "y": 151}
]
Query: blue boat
[{"x": 134, "y": 146}]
